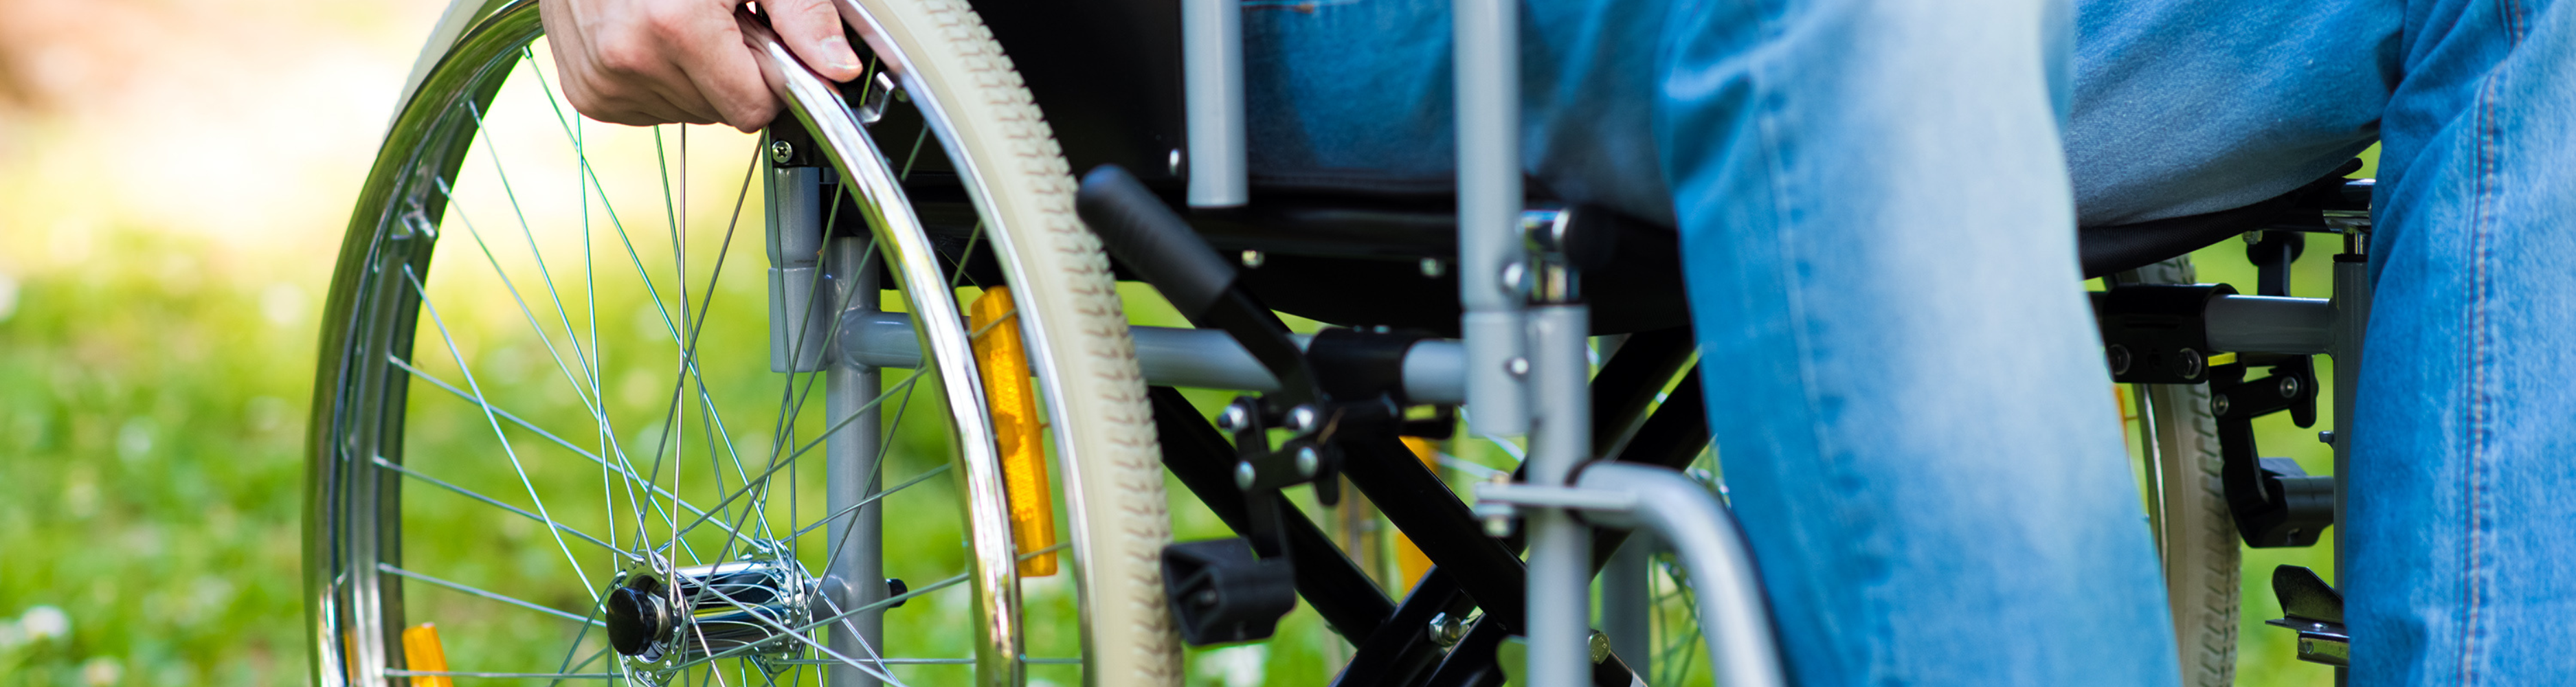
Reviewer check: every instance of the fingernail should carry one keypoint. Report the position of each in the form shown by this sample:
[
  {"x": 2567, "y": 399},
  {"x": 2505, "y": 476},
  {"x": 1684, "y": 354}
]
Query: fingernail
[{"x": 842, "y": 57}]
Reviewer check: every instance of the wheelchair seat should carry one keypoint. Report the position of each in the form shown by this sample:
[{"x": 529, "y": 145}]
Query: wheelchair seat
[{"x": 1360, "y": 251}]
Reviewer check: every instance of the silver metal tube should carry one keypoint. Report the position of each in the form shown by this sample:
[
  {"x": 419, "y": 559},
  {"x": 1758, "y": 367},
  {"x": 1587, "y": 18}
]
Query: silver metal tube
[
  {"x": 1733, "y": 616},
  {"x": 1628, "y": 602},
  {"x": 2352, "y": 322},
  {"x": 2272, "y": 324},
  {"x": 1487, "y": 55},
  {"x": 907, "y": 250},
  {"x": 1197, "y": 358},
  {"x": 855, "y": 574},
  {"x": 1212, "y": 80},
  {"x": 1560, "y": 553},
  {"x": 796, "y": 323}
]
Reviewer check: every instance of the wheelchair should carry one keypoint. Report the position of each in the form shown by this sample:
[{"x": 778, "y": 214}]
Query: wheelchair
[{"x": 603, "y": 521}]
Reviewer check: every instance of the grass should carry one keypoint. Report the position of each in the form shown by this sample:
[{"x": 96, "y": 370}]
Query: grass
[{"x": 153, "y": 391}]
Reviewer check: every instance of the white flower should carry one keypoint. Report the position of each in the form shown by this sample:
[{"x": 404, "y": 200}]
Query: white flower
[
  {"x": 101, "y": 671},
  {"x": 44, "y": 622}
]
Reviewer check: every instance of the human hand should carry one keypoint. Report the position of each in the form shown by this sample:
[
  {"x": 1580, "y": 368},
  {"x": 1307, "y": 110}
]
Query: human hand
[{"x": 645, "y": 62}]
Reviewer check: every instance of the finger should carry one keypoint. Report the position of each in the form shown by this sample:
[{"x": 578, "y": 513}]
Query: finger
[
  {"x": 812, "y": 30},
  {"x": 729, "y": 79}
]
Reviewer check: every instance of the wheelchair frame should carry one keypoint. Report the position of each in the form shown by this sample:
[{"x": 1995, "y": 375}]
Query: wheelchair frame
[{"x": 1520, "y": 359}]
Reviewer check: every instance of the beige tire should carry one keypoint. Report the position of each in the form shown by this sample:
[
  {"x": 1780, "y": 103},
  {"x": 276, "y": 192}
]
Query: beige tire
[{"x": 1104, "y": 428}]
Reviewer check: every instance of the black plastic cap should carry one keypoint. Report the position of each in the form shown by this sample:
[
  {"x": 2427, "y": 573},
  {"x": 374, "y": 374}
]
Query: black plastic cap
[{"x": 1152, "y": 241}]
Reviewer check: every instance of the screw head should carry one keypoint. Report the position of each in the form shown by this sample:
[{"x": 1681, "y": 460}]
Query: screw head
[
  {"x": 1433, "y": 268},
  {"x": 2188, "y": 362},
  {"x": 1600, "y": 646},
  {"x": 1515, "y": 278},
  {"x": 1301, "y": 419},
  {"x": 2326, "y": 437},
  {"x": 1233, "y": 418},
  {"x": 2119, "y": 356},
  {"x": 2218, "y": 405},
  {"x": 1308, "y": 461},
  {"x": 1252, "y": 259},
  {"x": 2289, "y": 387},
  {"x": 1518, "y": 366},
  {"x": 1175, "y": 162},
  {"x": 780, "y": 152},
  {"x": 1244, "y": 475},
  {"x": 1446, "y": 630}
]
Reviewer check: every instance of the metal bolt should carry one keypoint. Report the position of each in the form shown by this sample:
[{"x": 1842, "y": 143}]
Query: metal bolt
[
  {"x": 2119, "y": 359},
  {"x": 1446, "y": 629},
  {"x": 1244, "y": 475},
  {"x": 895, "y": 588},
  {"x": 1175, "y": 162},
  {"x": 1518, "y": 366},
  {"x": 2326, "y": 437},
  {"x": 1234, "y": 418},
  {"x": 780, "y": 152},
  {"x": 1515, "y": 278},
  {"x": 2189, "y": 361},
  {"x": 1600, "y": 646},
  {"x": 1308, "y": 461},
  {"x": 1252, "y": 259},
  {"x": 2289, "y": 387},
  {"x": 2218, "y": 405},
  {"x": 1498, "y": 515},
  {"x": 1433, "y": 268},
  {"x": 1206, "y": 597},
  {"x": 1301, "y": 419}
]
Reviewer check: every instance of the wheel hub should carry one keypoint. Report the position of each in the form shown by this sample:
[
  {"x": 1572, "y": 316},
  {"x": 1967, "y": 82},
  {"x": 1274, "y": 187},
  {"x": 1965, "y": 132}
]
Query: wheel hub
[{"x": 662, "y": 617}]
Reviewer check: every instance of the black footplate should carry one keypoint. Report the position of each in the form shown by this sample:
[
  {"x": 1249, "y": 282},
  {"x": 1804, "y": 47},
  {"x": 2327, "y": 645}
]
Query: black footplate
[{"x": 2314, "y": 609}]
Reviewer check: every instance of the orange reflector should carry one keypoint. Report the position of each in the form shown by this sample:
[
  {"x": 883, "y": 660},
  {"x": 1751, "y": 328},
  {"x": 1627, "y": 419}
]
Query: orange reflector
[
  {"x": 420, "y": 646},
  {"x": 1410, "y": 562},
  {"x": 1013, "y": 402}
]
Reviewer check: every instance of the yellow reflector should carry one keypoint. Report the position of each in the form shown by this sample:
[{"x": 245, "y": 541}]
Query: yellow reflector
[
  {"x": 2228, "y": 358},
  {"x": 420, "y": 646},
  {"x": 1410, "y": 562},
  {"x": 1004, "y": 363}
]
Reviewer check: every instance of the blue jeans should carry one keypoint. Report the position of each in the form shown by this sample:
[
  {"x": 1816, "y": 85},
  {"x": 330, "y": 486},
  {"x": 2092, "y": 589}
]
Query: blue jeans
[{"x": 1875, "y": 199}]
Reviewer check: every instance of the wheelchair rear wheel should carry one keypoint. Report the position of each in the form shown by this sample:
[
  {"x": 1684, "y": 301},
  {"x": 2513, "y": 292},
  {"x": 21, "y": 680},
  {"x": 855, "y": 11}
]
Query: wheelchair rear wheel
[
  {"x": 2195, "y": 534},
  {"x": 571, "y": 417}
]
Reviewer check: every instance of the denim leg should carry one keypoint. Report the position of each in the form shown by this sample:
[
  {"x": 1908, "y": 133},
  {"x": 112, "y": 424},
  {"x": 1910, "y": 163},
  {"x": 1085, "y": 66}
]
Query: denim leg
[
  {"x": 1908, "y": 395},
  {"x": 2191, "y": 106},
  {"x": 2462, "y": 559}
]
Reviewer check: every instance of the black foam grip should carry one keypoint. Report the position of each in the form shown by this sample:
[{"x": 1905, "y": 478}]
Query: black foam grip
[{"x": 1152, "y": 241}]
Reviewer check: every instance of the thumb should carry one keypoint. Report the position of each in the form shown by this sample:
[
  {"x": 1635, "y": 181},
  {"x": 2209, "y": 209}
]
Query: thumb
[{"x": 812, "y": 30}]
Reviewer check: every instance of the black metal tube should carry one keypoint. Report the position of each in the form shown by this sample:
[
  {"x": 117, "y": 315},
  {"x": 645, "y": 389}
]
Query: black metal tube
[{"x": 1203, "y": 461}]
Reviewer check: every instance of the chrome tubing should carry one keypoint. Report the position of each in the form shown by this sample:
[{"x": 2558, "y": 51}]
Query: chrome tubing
[
  {"x": 1560, "y": 547},
  {"x": 2352, "y": 323},
  {"x": 855, "y": 574},
  {"x": 1733, "y": 615},
  {"x": 2273, "y": 324},
  {"x": 906, "y": 248},
  {"x": 1492, "y": 265},
  {"x": 1195, "y": 358},
  {"x": 796, "y": 322},
  {"x": 1212, "y": 88}
]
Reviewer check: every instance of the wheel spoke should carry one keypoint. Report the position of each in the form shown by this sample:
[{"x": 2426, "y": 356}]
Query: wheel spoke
[
  {"x": 496, "y": 503},
  {"x": 407, "y": 574},
  {"x": 626, "y": 472},
  {"x": 872, "y": 498},
  {"x": 493, "y": 421}
]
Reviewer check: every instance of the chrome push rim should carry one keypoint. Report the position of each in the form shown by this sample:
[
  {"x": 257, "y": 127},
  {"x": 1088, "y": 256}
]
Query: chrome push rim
[{"x": 356, "y": 570}]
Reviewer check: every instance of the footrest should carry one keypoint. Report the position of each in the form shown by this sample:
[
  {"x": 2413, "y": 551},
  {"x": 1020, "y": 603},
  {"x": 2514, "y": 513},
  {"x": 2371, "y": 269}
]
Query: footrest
[
  {"x": 1221, "y": 593},
  {"x": 2315, "y": 610}
]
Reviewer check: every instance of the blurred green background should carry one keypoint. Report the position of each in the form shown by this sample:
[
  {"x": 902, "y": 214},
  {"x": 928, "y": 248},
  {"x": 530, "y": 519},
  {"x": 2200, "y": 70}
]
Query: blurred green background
[{"x": 174, "y": 177}]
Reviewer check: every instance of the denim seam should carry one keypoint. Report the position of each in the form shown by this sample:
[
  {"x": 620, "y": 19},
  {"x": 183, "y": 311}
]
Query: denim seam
[{"x": 2479, "y": 342}]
